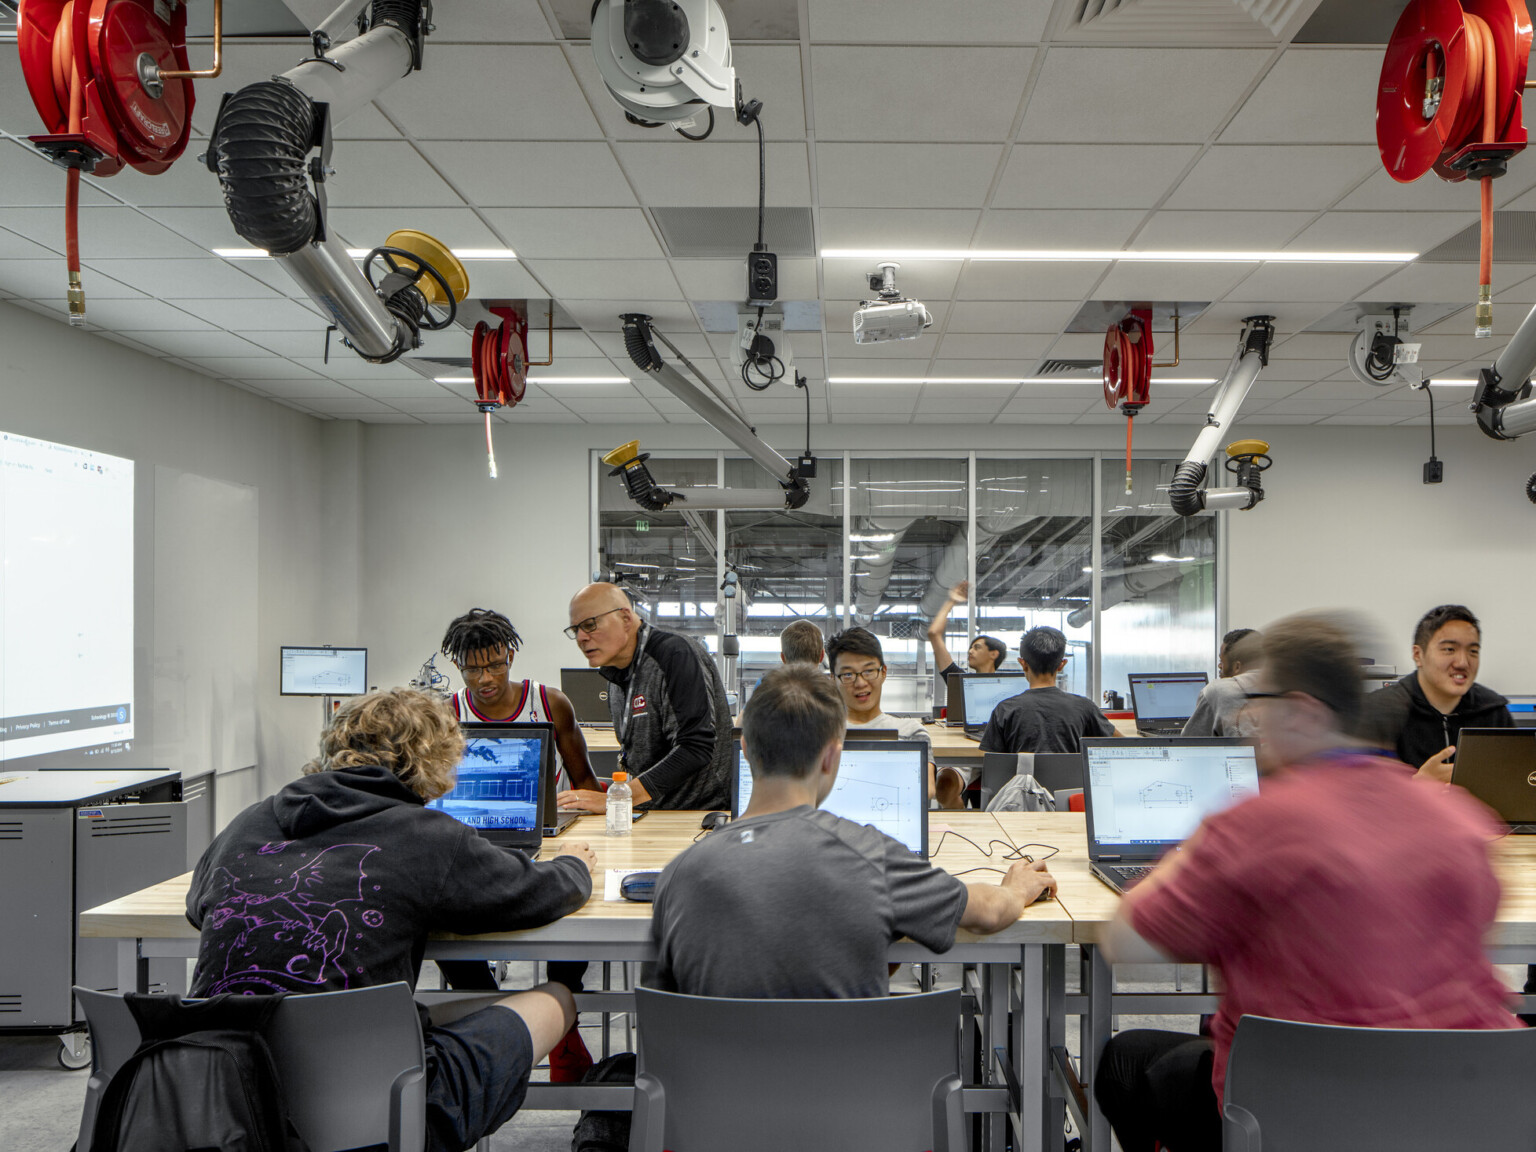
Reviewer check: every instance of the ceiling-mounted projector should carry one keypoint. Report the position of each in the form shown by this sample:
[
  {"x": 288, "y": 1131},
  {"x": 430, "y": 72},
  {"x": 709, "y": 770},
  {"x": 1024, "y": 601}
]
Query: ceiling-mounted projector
[
  {"x": 890, "y": 317},
  {"x": 664, "y": 61}
]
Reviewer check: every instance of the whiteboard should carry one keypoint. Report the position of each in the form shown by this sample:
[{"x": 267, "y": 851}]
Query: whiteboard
[{"x": 204, "y": 655}]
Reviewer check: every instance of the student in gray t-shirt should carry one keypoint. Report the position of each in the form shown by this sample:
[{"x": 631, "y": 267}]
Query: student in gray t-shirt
[
  {"x": 1221, "y": 709},
  {"x": 790, "y": 902}
]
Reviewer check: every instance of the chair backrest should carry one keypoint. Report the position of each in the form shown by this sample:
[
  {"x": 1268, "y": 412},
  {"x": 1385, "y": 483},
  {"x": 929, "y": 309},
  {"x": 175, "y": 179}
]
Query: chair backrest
[
  {"x": 876, "y": 1074},
  {"x": 351, "y": 1064},
  {"x": 1057, "y": 770},
  {"x": 1300, "y": 1087},
  {"x": 1054, "y": 770}
]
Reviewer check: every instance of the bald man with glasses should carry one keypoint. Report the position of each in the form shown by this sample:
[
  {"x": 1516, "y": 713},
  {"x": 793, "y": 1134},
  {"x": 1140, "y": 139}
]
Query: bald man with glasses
[{"x": 668, "y": 705}]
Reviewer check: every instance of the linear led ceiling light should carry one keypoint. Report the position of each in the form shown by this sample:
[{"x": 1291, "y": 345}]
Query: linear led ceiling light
[{"x": 1099, "y": 255}]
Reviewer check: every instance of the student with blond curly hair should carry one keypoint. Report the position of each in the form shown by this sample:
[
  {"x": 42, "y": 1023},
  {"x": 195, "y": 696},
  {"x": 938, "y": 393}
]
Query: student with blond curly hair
[{"x": 336, "y": 881}]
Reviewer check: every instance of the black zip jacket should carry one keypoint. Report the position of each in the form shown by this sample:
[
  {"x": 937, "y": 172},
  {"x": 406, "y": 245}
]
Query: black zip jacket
[
  {"x": 677, "y": 738},
  {"x": 336, "y": 881},
  {"x": 1400, "y": 718}
]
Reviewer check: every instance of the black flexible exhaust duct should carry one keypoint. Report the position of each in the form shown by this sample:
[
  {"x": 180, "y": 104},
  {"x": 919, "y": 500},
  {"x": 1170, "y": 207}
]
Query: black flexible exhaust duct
[
  {"x": 637, "y": 342},
  {"x": 1185, "y": 494},
  {"x": 259, "y": 147}
]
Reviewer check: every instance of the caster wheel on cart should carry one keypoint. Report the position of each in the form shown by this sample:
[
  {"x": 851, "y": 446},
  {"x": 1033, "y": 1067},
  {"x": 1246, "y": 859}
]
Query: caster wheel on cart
[{"x": 74, "y": 1051}]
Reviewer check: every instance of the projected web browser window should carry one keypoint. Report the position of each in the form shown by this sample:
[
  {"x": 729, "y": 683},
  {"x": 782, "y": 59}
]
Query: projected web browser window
[{"x": 66, "y": 600}]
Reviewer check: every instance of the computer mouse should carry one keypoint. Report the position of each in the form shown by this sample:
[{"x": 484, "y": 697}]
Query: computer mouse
[
  {"x": 713, "y": 820},
  {"x": 1044, "y": 896},
  {"x": 639, "y": 887}
]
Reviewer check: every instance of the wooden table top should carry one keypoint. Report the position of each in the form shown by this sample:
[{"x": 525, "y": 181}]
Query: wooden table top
[{"x": 159, "y": 911}]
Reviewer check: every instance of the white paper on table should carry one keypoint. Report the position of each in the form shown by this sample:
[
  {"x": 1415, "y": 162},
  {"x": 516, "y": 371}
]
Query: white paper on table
[{"x": 613, "y": 877}]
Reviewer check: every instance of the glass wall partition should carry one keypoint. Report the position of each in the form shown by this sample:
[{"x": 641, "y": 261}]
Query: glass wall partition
[
  {"x": 1158, "y": 606},
  {"x": 1034, "y": 558},
  {"x": 666, "y": 560},
  {"x": 789, "y": 564}
]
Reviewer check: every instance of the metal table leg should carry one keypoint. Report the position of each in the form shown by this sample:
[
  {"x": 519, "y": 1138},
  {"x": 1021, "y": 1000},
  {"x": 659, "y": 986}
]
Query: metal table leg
[{"x": 1101, "y": 987}]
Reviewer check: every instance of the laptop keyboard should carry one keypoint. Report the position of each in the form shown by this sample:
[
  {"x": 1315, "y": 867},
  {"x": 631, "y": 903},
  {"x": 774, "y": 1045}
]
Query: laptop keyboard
[{"x": 1133, "y": 871}]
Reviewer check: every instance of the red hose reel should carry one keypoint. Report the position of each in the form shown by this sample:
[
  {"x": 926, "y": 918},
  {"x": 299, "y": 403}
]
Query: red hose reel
[
  {"x": 1449, "y": 99},
  {"x": 499, "y": 357},
  {"x": 1128, "y": 371}
]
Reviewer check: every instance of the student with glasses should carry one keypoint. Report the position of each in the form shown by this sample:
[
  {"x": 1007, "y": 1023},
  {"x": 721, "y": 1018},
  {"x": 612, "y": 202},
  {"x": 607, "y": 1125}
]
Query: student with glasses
[{"x": 669, "y": 708}]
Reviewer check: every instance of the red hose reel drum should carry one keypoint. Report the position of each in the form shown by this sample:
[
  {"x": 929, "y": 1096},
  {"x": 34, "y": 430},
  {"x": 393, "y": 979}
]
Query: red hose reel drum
[
  {"x": 84, "y": 62},
  {"x": 499, "y": 357},
  {"x": 1429, "y": 101},
  {"x": 1128, "y": 362}
]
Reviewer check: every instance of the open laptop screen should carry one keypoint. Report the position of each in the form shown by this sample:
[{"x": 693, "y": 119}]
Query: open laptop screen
[
  {"x": 1157, "y": 696},
  {"x": 1144, "y": 795},
  {"x": 497, "y": 791},
  {"x": 984, "y": 693},
  {"x": 884, "y": 783}
]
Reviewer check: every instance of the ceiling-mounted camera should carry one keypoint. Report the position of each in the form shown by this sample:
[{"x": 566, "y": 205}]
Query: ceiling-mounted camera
[
  {"x": 891, "y": 316},
  {"x": 1379, "y": 355}
]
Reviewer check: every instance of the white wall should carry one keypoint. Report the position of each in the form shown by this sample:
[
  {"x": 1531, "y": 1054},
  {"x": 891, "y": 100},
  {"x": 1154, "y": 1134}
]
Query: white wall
[
  {"x": 79, "y": 389},
  {"x": 1346, "y": 523}
]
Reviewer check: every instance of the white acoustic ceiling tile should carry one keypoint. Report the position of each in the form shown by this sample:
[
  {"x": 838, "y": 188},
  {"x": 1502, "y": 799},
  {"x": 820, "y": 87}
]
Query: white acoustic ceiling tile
[
  {"x": 503, "y": 279},
  {"x": 770, "y": 73},
  {"x": 492, "y": 92},
  {"x": 1311, "y": 282},
  {"x": 567, "y": 393},
  {"x": 456, "y": 227},
  {"x": 1233, "y": 231},
  {"x": 904, "y": 175},
  {"x": 855, "y": 419},
  {"x": 685, "y": 175},
  {"x": 391, "y": 391},
  {"x": 689, "y": 342},
  {"x": 1049, "y": 316},
  {"x": 931, "y": 404},
  {"x": 460, "y": 415},
  {"x": 208, "y": 228},
  {"x": 1031, "y": 406},
  {"x": 1007, "y": 280},
  {"x": 47, "y": 280},
  {"x": 1312, "y": 96},
  {"x": 1295, "y": 373},
  {"x": 847, "y": 279},
  {"x": 386, "y": 174},
  {"x": 197, "y": 344},
  {"x": 996, "y": 393},
  {"x": 1227, "y": 317},
  {"x": 1272, "y": 176},
  {"x": 1267, "y": 389},
  {"x": 27, "y": 177},
  {"x": 1194, "y": 346},
  {"x": 606, "y": 407},
  {"x": 272, "y": 315},
  {"x": 840, "y": 346},
  {"x": 673, "y": 316},
  {"x": 1429, "y": 193},
  {"x": 104, "y": 233},
  {"x": 991, "y": 346},
  {"x": 1101, "y": 94},
  {"x": 358, "y": 408},
  {"x": 1088, "y": 176},
  {"x": 534, "y": 174},
  {"x": 1309, "y": 406},
  {"x": 727, "y": 279},
  {"x": 914, "y": 227},
  {"x": 1452, "y": 282},
  {"x": 944, "y": 93},
  {"x": 952, "y": 417},
  {"x": 1034, "y": 418},
  {"x": 13, "y": 246},
  {"x": 180, "y": 279},
  {"x": 1078, "y": 346},
  {"x": 600, "y": 279},
  {"x": 351, "y": 368},
  {"x": 146, "y": 314},
  {"x": 1036, "y": 228},
  {"x": 918, "y": 22},
  {"x": 135, "y": 345},
  {"x": 1380, "y": 231},
  {"x": 1136, "y": 280},
  {"x": 246, "y": 62},
  {"x": 554, "y": 416},
  {"x": 485, "y": 22},
  {"x": 251, "y": 368},
  {"x": 297, "y": 342},
  {"x": 185, "y": 184},
  {"x": 1312, "y": 346},
  {"x": 576, "y": 233}
]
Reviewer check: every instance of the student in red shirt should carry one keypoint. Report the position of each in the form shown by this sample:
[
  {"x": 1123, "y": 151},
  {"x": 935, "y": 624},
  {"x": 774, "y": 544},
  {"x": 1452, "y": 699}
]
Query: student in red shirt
[{"x": 1346, "y": 892}]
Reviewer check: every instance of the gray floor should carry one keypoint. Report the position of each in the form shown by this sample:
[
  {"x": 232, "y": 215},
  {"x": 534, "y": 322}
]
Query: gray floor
[{"x": 40, "y": 1103}]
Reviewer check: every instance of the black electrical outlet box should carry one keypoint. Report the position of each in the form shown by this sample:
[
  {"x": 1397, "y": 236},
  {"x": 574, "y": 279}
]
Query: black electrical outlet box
[
  {"x": 806, "y": 468},
  {"x": 762, "y": 279},
  {"x": 1434, "y": 471}
]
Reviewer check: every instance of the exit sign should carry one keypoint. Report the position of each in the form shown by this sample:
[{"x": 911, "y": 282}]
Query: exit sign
[{"x": 642, "y": 525}]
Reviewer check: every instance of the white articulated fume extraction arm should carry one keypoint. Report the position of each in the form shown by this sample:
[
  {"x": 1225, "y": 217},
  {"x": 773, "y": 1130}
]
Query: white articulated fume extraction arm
[
  {"x": 1246, "y": 458},
  {"x": 274, "y": 188}
]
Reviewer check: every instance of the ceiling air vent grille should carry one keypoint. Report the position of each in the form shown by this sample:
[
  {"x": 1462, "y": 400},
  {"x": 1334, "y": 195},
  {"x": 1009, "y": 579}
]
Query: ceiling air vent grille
[
  {"x": 1514, "y": 242},
  {"x": 1189, "y": 21},
  {"x": 1060, "y": 367}
]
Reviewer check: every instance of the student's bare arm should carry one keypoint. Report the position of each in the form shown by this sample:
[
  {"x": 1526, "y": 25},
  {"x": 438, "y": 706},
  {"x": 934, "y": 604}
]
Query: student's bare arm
[
  {"x": 992, "y": 907},
  {"x": 959, "y": 594},
  {"x": 569, "y": 740}
]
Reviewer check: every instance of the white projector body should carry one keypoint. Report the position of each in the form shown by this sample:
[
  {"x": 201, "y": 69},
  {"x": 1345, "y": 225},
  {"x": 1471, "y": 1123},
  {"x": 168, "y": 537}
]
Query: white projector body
[{"x": 877, "y": 321}]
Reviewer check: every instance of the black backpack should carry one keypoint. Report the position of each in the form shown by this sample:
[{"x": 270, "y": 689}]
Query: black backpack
[{"x": 201, "y": 1078}]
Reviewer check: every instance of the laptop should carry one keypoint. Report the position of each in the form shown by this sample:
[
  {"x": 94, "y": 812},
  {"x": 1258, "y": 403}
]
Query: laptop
[
  {"x": 980, "y": 694},
  {"x": 1523, "y": 709},
  {"x": 879, "y": 782},
  {"x": 588, "y": 693},
  {"x": 504, "y": 783},
  {"x": 1498, "y": 766},
  {"x": 1164, "y": 701},
  {"x": 1145, "y": 797}
]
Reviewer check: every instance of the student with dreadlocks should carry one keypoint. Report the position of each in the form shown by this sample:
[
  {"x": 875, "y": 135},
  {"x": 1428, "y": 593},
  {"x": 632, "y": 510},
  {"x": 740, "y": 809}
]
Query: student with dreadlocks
[{"x": 482, "y": 645}]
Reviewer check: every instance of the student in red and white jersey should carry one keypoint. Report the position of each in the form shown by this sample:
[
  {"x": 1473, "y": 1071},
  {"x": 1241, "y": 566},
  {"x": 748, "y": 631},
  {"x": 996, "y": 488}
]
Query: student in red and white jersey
[{"x": 482, "y": 645}]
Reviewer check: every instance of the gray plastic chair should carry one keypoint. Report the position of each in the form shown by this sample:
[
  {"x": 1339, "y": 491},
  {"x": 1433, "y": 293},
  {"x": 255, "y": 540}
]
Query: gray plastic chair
[
  {"x": 881, "y": 1075},
  {"x": 1317, "y": 1087},
  {"x": 351, "y": 1064},
  {"x": 1054, "y": 770}
]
